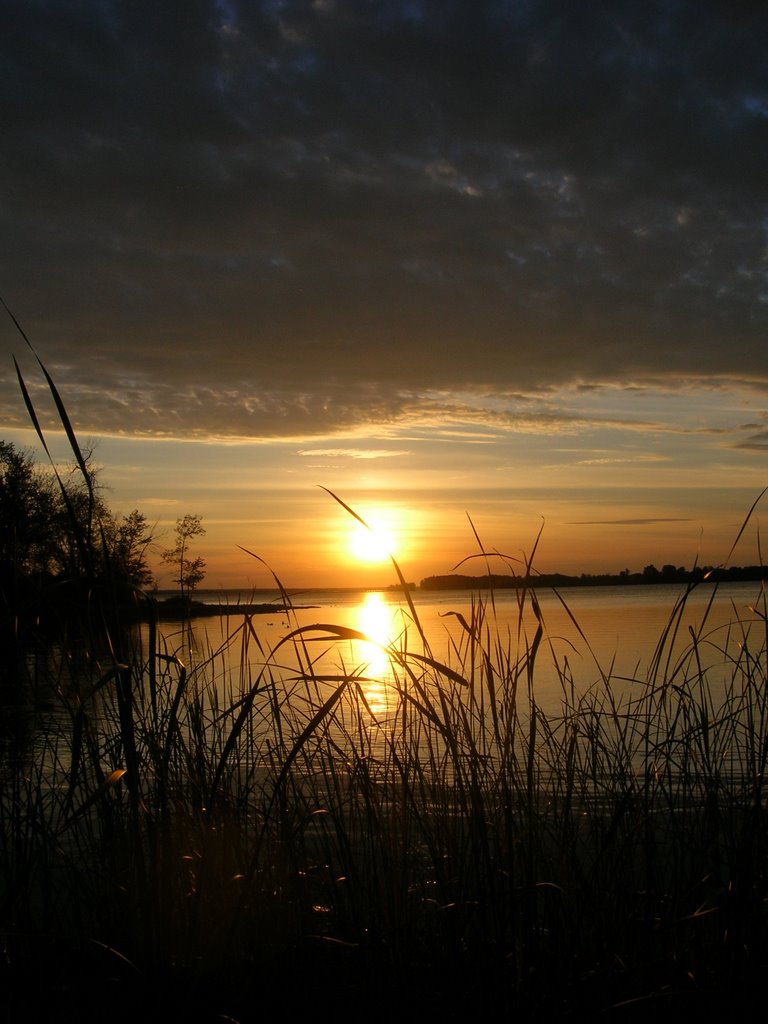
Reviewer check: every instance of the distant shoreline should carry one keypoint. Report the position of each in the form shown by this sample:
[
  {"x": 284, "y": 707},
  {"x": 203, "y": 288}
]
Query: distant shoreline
[
  {"x": 648, "y": 577},
  {"x": 170, "y": 607}
]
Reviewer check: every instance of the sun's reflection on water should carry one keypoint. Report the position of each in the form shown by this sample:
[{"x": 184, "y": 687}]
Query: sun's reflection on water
[{"x": 377, "y": 619}]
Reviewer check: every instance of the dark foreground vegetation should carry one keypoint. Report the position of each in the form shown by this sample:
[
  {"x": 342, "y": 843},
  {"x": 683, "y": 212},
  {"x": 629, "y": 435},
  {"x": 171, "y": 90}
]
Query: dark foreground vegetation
[
  {"x": 175, "y": 844},
  {"x": 248, "y": 836}
]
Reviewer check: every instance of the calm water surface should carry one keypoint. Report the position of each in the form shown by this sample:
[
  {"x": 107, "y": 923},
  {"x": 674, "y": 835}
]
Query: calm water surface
[
  {"x": 588, "y": 632},
  {"x": 589, "y": 635}
]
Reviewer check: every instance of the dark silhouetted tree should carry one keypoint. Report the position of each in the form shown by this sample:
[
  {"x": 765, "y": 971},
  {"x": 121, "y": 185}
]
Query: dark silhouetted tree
[
  {"x": 190, "y": 572},
  {"x": 57, "y": 528},
  {"x": 129, "y": 547}
]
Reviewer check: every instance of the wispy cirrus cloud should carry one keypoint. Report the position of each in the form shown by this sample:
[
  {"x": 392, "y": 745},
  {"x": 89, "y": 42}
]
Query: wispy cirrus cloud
[
  {"x": 353, "y": 453},
  {"x": 650, "y": 521},
  {"x": 757, "y": 442}
]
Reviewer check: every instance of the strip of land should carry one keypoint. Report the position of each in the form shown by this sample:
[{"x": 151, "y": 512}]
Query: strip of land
[{"x": 649, "y": 575}]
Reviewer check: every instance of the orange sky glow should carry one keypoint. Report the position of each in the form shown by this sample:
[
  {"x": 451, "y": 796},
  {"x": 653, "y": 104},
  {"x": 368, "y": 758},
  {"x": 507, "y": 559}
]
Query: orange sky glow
[{"x": 445, "y": 260}]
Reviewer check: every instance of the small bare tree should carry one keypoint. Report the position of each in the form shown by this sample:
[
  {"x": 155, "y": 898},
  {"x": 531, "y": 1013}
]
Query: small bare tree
[{"x": 189, "y": 571}]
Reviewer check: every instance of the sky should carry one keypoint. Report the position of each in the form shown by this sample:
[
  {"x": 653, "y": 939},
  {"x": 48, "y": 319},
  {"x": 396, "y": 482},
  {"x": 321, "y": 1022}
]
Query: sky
[{"x": 480, "y": 269}]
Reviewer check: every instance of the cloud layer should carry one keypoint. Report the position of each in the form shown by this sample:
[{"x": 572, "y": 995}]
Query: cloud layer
[{"x": 294, "y": 218}]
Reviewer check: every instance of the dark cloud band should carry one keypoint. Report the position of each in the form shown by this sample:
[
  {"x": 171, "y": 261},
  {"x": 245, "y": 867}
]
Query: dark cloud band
[{"x": 302, "y": 210}]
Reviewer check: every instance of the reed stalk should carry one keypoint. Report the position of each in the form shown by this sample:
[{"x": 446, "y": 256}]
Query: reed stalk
[{"x": 213, "y": 826}]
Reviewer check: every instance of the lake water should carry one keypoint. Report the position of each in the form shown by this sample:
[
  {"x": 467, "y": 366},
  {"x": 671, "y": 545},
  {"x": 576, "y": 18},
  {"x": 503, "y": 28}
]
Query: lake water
[
  {"x": 593, "y": 640},
  {"x": 589, "y": 633}
]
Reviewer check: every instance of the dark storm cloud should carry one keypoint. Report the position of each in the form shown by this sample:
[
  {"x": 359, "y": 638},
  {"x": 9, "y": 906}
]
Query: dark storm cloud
[{"x": 284, "y": 217}]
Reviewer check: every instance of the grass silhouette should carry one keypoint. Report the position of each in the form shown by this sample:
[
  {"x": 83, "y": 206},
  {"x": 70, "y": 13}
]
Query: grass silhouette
[{"x": 201, "y": 843}]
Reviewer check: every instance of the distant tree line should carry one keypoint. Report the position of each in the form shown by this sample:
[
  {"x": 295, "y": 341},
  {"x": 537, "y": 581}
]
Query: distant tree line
[{"x": 650, "y": 574}]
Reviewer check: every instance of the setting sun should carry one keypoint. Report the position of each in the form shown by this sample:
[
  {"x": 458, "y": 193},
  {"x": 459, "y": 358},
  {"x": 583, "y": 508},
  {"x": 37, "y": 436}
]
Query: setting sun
[
  {"x": 372, "y": 544},
  {"x": 373, "y": 534}
]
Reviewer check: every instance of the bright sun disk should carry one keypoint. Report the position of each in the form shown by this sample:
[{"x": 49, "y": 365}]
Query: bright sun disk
[{"x": 373, "y": 544}]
